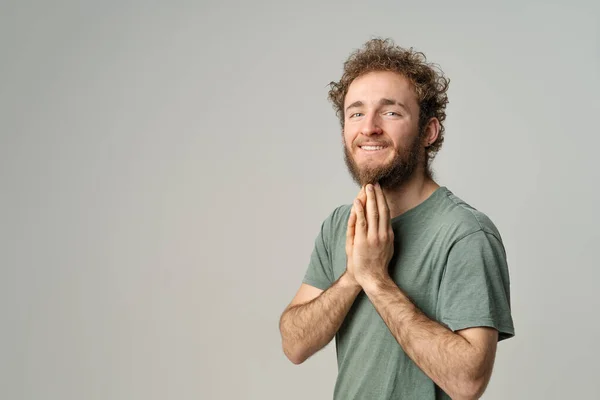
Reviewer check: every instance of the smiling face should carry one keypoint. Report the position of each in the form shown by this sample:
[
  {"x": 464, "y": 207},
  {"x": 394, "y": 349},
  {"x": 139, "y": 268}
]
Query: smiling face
[{"x": 381, "y": 130}]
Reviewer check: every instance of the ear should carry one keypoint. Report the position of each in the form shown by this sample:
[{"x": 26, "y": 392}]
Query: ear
[{"x": 432, "y": 131}]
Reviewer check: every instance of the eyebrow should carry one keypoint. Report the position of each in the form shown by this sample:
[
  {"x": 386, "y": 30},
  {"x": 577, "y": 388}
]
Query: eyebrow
[{"x": 382, "y": 102}]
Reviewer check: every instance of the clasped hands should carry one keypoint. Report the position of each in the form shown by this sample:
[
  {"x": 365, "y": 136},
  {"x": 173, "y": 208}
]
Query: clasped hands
[{"x": 369, "y": 237}]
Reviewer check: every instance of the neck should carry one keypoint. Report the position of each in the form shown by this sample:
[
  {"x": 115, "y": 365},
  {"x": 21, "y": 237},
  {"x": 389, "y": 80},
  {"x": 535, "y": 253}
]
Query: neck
[{"x": 412, "y": 193}]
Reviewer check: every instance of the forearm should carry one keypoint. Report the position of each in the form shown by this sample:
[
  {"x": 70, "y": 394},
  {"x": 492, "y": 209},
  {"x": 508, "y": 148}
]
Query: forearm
[
  {"x": 307, "y": 328},
  {"x": 446, "y": 357}
]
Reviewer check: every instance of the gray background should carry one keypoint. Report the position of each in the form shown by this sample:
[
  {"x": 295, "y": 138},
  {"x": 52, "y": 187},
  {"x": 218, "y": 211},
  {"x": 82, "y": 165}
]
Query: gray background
[{"x": 165, "y": 168}]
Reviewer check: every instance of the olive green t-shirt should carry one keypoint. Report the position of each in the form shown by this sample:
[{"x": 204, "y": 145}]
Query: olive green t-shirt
[{"x": 449, "y": 259}]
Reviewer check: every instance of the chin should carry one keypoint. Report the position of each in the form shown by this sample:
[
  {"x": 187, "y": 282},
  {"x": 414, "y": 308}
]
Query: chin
[{"x": 371, "y": 165}]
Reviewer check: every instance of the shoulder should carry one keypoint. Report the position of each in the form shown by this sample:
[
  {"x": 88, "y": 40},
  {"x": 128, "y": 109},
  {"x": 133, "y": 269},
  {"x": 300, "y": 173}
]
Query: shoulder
[
  {"x": 464, "y": 219},
  {"x": 338, "y": 218},
  {"x": 333, "y": 227}
]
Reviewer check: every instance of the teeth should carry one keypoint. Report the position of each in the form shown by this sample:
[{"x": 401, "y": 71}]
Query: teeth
[{"x": 372, "y": 147}]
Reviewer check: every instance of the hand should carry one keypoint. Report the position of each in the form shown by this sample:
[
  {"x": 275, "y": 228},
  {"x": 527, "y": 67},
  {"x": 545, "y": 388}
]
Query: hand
[
  {"x": 362, "y": 198},
  {"x": 372, "y": 244}
]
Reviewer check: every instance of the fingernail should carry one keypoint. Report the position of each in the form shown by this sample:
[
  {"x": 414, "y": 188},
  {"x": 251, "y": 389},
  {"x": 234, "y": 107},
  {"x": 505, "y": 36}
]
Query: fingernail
[{"x": 370, "y": 188}]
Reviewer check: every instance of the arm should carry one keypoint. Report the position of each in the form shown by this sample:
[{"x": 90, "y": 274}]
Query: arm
[
  {"x": 313, "y": 317},
  {"x": 460, "y": 363},
  {"x": 307, "y": 327}
]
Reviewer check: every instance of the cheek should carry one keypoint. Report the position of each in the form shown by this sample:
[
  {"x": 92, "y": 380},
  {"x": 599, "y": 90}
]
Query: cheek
[
  {"x": 350, "y": 134},
  {"x": 403, "y": 136},
  {"x": 348, "y": 138}
]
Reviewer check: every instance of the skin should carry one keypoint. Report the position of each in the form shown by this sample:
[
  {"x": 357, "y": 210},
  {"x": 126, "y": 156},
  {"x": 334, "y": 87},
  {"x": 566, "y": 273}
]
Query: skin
[
  {"x": 397, "y": 127},
  {"x": 459, "y": 362}
]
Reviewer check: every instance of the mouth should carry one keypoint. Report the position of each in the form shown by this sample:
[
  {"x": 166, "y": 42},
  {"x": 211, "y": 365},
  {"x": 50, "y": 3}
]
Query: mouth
[{"x": 372, "y": 149}]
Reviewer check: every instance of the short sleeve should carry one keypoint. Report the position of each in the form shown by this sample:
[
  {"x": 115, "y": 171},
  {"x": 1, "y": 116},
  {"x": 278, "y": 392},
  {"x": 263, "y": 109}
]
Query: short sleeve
[
  {"x": 320, "y": 270},
  {"x": 475, "y": 288}
]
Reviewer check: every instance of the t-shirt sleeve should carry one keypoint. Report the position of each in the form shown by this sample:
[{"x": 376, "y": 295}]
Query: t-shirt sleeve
[
  {"x": 320, "y": 270},
  {"x": 475, "y": 288}
]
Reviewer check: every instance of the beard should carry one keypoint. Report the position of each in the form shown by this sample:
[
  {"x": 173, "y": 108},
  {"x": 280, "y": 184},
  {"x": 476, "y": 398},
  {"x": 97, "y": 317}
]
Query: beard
[{"x": 391, "y": 175}]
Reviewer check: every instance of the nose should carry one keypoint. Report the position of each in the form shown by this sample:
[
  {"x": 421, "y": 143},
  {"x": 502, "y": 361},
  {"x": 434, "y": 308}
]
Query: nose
[{"x": 370, "y": 125}]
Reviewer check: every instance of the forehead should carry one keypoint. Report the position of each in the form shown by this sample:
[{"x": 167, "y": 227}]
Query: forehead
[{"x": 373, "y": 86}]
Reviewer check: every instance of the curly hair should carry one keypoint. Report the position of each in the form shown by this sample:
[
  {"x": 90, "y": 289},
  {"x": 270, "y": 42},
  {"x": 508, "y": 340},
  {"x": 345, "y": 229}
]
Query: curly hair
[{"x": 427, "y": 79}]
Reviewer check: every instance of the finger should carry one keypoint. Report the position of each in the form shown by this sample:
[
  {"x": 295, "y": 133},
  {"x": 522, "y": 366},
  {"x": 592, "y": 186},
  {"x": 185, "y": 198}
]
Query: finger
[
  {"x": 372, "y": 212},
  {"x": 360, "y": 229},
  {"x": 384, "y": 210},
  {"x": 362, "y": 196},
  {"x": 351, "y": 227}
]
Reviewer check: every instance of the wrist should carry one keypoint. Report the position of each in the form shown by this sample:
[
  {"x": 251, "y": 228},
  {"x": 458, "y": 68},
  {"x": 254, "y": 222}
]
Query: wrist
[
  {"x": 347, "y": 281},
  {"x": 374, "y": 284}
]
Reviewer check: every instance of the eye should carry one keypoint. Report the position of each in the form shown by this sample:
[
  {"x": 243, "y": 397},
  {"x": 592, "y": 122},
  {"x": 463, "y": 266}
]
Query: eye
[
  {"x": 393, "y": 113},
  {"x": 355, "y": 114}
]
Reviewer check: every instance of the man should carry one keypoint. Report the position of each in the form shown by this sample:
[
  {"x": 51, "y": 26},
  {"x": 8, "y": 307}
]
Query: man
[{"x": 411, "y": 280}]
